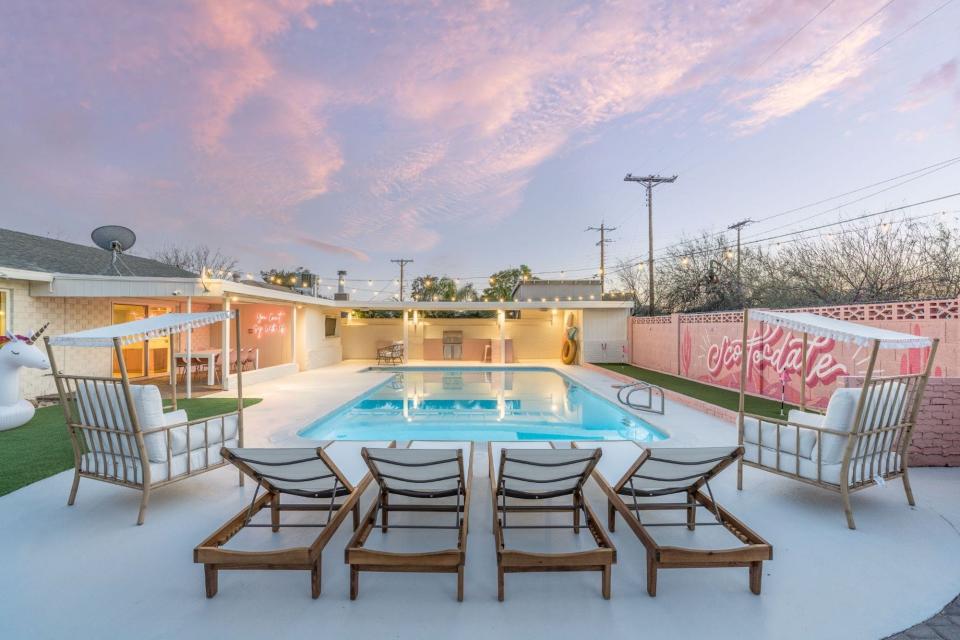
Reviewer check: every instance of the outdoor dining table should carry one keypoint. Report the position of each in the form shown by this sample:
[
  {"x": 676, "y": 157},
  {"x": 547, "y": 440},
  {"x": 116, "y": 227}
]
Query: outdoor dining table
[{"x": 209, "y": 355}]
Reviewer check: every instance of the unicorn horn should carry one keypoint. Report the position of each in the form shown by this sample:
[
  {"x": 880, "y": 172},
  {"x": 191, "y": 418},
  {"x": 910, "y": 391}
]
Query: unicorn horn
[{"x": 33, "y": 338}]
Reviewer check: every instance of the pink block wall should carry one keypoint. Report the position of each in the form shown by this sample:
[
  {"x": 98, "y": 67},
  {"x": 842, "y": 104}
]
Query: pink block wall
[{"x": 706, "y": 347}]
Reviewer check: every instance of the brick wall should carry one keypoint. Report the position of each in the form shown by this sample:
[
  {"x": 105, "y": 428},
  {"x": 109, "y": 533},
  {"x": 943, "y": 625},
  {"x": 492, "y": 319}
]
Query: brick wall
[
  {"x": 64, "y": 315},
  {"x": 936, "y": 436}
]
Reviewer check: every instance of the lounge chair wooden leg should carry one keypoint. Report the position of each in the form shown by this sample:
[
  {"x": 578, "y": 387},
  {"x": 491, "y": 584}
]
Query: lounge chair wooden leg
[
  {"x": 611, "y": 516},
  {"x": 691, "y": 512},
  {"x": 384, "y": 510},
  {"x": 315, "y": 580},
  {"x": 651, "y": 576},
  {"x": 606, "y": 582},
  {"x": 73, "y": 489},
  {"x": 354, "y": 582},
  {"x": 576, "y": 513},
  {"x": 847, "y": 509},
  {"x": 756, "y": 574},
  {"x": 241, "y": 478},
  {"x": 356, "y": 516},
  {"x": 908, "y": 489},
  {"x": 144, "y": 501},
  {"x": 740, "y": 474},
  {"x": 460, "y": 583},
  {"x": 275, "y": 512},
  {"x": 499, "y": 583},
  {"x": 210, "y": 579}
]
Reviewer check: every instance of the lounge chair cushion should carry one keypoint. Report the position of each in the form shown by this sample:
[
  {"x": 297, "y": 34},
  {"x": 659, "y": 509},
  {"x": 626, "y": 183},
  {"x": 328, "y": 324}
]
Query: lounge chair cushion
[
  {"x": 540, "y": 472},
  {"x": 765, "y": 433}
]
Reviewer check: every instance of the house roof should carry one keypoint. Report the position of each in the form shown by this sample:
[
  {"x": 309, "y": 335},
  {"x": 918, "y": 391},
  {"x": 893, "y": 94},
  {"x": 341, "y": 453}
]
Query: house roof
[{"x": 37, "y": 253}]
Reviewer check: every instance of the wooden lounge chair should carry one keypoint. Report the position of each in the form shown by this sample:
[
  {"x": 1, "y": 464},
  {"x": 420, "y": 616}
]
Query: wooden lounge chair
[
  {"x": 535, "y": 471},
  {"x": 426, "y": 477},
  {"x": 321, "y": 474},
  {"x": 635, "y": 478}
]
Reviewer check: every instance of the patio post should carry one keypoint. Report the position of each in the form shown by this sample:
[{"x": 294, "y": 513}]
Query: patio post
[
  {"x": 406, "y": 344},
  {"x": 225, "y": 348},
  {"x": 501, "y": 321},
  {"x": 743, "y": 391},
  {"x": 188, "y": 370},
  {"x": 173, "y": 378},
  {"x": 803, "y": 373}
]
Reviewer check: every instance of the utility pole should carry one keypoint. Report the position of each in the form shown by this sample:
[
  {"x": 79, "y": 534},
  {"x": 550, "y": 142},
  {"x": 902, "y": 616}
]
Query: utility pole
[
  {"x": 649, "y": 182},
  {"x": 738, "y": 226},
  {"x": 603, "y": 228},
  {"x": 402, "y": 262}
]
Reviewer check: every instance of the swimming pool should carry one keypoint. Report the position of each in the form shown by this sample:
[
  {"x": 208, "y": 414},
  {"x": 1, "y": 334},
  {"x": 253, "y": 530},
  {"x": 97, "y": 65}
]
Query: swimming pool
[{"x": 482, "y": 404}]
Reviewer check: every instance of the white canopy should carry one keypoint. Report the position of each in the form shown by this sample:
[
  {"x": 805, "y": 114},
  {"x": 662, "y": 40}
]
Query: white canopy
[
  {"x": 140, "y": 330},
  {"x": 841, "y": 330}
]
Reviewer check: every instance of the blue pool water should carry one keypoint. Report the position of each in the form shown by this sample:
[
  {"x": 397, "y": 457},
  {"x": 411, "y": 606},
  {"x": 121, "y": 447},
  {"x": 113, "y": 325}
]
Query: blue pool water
[{"x": 481, "y": 404}]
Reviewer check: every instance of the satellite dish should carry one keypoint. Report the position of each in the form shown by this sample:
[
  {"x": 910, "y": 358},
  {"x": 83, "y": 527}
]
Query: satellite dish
[{"x": 113, "y": 237}]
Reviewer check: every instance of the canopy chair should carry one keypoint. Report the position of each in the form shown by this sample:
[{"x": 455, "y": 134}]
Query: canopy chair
[
  {"x": 119, "y": 431},
  {"x": 862, "y": 439}
]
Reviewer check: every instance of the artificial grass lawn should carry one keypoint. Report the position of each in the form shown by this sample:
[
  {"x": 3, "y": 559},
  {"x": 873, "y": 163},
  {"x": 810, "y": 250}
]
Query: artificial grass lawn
[
  {"x": 726, "y": 398},
  {"x": 41, "y": 448}
]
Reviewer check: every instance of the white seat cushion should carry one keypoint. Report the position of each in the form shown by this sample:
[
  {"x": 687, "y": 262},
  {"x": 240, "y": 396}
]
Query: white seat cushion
[
  {"x": 830, "y": 473},
  {"x": 129, "y": 468},
  {"x": 839, "y": 416},
  {"x": 765, "y": 434},
  {"x": 217, "y": 431}
]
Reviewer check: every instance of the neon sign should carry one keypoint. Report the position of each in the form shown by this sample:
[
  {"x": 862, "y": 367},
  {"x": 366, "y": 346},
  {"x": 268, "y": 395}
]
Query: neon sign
[{"x": 270, "y": 324}]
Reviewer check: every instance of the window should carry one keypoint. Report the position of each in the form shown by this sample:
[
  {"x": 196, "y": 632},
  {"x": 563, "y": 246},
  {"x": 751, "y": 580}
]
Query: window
[
  {"x": 5, "y": 318},
  {"x": 331, "y": 326}
]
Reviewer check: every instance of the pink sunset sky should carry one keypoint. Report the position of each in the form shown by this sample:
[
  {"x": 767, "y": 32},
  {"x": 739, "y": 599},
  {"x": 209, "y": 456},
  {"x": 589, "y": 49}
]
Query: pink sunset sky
[{"x": 468, "y": 136}]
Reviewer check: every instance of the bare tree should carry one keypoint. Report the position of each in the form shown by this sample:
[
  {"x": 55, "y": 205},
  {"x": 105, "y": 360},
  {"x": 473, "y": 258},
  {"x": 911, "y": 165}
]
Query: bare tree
[
  {"x": 866, "y": 263},
  {"x": 195, "y": 259}
]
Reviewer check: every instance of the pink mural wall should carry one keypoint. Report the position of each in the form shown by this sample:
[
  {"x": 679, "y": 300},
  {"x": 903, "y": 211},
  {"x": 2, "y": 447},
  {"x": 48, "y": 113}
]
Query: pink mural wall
[{"x": 707, "y": 347}]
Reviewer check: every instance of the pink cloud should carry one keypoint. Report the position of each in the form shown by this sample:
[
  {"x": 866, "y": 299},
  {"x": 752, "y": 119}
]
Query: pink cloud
[
  {"x": 328, "y": 247},
  {"x": 932, "y": 83}
]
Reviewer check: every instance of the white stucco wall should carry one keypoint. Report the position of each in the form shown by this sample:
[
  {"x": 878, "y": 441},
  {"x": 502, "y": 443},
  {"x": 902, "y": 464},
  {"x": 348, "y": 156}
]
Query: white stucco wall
[{"x": 314, "y": 349}]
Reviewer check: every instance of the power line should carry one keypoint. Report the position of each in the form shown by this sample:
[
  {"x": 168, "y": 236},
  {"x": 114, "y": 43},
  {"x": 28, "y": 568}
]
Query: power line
[
  {"x": 911, "y": 27},
  {"x": 792, "y": 36}
]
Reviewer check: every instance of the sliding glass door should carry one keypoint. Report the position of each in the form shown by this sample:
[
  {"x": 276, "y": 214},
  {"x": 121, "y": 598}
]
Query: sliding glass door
[{"x": 142, "y": 359}]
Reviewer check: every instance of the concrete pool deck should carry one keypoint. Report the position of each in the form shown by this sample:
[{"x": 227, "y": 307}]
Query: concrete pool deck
[{"x": 89, "y": 571}]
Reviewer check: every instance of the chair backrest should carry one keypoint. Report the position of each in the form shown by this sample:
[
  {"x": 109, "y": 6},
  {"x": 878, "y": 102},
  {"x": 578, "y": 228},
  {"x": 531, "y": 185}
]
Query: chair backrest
[
  {"x": 102, "y": 404},
  {"x": 661, "y": 471},
  {"x": 420, "y": 473},
  {"x": 307, "y": 472},
  {"x": 888, "y": 403},
  {"x": 544, "y": 473}
]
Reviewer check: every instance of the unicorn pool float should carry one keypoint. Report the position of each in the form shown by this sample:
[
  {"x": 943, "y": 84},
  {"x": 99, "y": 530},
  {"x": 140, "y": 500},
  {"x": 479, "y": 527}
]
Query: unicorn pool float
[{"x": 16, "y": 352}]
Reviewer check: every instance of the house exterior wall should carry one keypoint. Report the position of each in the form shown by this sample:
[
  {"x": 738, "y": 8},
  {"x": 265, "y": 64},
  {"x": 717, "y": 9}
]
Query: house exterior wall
[
  {"x": 314, "y": 348},
  {"x": 360, "y": 338},
  {"x": 64, "y": 315}
]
